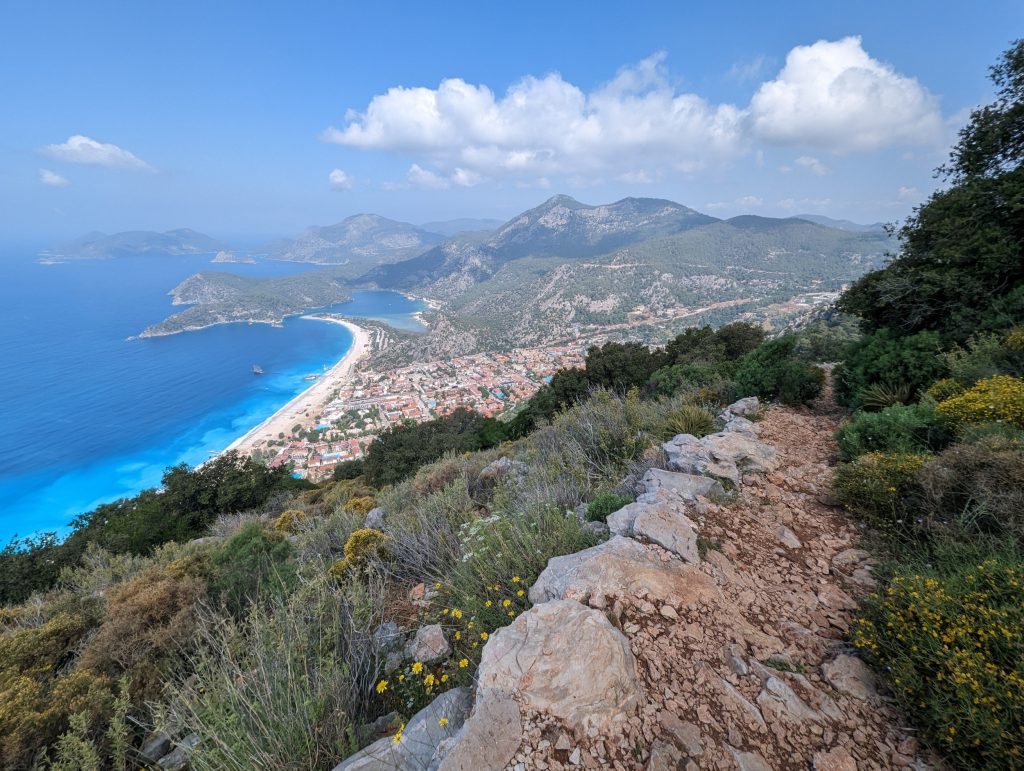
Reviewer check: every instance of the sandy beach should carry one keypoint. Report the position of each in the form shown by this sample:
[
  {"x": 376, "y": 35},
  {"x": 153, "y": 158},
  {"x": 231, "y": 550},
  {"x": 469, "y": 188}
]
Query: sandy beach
[{"x": 313, "y": 398}]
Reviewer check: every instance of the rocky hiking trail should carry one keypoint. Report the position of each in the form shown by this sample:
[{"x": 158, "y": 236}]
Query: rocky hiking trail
[{"x": 707, "y": 632}]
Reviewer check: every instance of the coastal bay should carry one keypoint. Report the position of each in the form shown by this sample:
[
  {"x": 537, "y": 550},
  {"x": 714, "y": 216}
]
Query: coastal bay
[{"x": 91, "y": 416}]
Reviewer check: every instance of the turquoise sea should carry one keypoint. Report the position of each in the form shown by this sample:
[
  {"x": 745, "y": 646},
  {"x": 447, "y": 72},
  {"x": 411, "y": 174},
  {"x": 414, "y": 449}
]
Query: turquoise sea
[{"x": 89, "y": 416}]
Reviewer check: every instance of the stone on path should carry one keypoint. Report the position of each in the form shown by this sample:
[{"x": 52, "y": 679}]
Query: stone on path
[
  {"x": 490, "y": 736},
  {"x": 850, "y": 675},
  {"x": 429, "y": 645}
]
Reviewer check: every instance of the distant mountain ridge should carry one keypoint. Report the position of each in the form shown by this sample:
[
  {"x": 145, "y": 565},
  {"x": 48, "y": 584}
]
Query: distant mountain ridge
[
  {"x": 559, "y": 227},
  {"x": 100, "y": 246},
  {"x": 829, "y": 222},
  {"x": 462, "y": 225},
  {"x": 360, "y": 242}
]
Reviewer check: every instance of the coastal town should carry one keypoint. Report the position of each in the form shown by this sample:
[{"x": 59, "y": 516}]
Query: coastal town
[{"x": 369, "y": 402}]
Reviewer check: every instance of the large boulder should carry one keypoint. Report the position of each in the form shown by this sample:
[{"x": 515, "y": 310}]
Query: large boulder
[
  {"x": 743, "y": 408},
  {"x": 419, "y": 740},
  {"x": 660, "y": 523},
  {"x": 671, "y": 486},
  {"x": 533, "y": 659},
  {"x": 616, "y": 568},
  {"x": 726, "y": 455}
]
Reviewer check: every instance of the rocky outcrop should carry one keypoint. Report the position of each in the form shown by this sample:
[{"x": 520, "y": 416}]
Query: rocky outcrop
[
  {"x": 725, "y": 456},
  {"x": 489, "y": 738},
  {"x": 616, "y": 568},
  {"x": 592, "y": 694},
  {"x": 418, "y": 744}
]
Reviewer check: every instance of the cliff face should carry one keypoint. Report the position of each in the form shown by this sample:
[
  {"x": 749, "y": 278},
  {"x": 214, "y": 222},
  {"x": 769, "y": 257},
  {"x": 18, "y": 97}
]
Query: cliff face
[{"x": 705, "y": 633}]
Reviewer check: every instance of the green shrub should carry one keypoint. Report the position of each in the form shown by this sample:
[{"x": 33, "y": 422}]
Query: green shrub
[
  {"x": 910, "y": 363},
  {"x": 684, "y": 377},
  {"x": 998, "y": 399},
  {"x": 978, "y": 488},
  {"x": 605, "y": 504},
  {"x": 899, "y": 428},
  {"x": 880, "y": 488},
  {"x": 690, "y": 419},
  {"x": 948, "y": 641},
  {"x": 285, "y": 685},
  {"x": 253, "y": 564},
  {"x": 773, "y": 371},
  {"x": 878, "y": 396},
  {"x": 984, "y": 356}
]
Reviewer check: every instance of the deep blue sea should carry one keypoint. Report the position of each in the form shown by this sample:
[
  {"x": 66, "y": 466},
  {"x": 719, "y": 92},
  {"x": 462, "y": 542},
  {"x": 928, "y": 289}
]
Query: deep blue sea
[{"x": 88, "y": 416}]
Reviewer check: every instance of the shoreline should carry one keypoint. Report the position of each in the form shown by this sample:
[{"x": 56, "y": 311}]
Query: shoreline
[{"x": 311, "y": 398}]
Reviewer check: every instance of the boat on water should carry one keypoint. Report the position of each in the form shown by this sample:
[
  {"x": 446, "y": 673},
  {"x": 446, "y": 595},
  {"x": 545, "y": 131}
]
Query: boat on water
[
  {"x": 311, "y": 377},
  {"x": 257, "y": 369}
]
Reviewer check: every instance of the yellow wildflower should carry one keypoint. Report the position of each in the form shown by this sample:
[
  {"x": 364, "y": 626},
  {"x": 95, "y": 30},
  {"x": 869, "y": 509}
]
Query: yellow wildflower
[
  {"x": 382, "y": 686},
  {"x": 429, "y": 680},
  {"x": 483, "y": 636},
  {"x": 487, "y": 604},
  {"x": 506, "y": 603},
  {"x": 443, "y": 722},
  {"x": 516, "y": 579},
  {"x": 417, "y": 667},
  {"x": 520, "y": 593},
  {"x": 463, "y": 663},
  {"x": 398, "y": 736}
]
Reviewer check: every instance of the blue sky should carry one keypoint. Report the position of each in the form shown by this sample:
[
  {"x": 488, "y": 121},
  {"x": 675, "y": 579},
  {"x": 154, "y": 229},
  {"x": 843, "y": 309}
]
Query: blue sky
[{"x": 253, "y": 119}]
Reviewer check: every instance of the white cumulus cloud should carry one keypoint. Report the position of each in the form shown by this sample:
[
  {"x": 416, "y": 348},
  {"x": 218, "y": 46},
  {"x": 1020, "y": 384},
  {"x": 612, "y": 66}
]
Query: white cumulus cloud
[
  {"x": 544, "y": 126},
  {"x": 830, "y": 96},
  {"x": 833, "y": 95},
  {"x": 340, "y": 180},
  {"x": 52, "y": 178},
  {"x": 812, "y": 164},
  {"x": 83, "y": 150}
]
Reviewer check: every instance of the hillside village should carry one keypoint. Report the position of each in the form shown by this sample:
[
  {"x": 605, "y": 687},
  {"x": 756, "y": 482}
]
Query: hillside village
[{"x": 372, "y": 401}]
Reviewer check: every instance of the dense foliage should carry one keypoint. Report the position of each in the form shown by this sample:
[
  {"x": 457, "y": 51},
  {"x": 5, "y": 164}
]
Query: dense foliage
[
  {"x": 185, "y": 508},
  {"x": 942, "y": 476}
]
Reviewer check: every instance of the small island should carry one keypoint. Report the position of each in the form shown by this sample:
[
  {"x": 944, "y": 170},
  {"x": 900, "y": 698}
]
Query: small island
[
  {"x": 226, "y": 255},
  {"x": 225, "y": 298}
]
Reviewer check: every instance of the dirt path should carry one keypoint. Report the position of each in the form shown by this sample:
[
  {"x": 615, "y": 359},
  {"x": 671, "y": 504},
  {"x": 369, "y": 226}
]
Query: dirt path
[{"x": 759, "y": 678}]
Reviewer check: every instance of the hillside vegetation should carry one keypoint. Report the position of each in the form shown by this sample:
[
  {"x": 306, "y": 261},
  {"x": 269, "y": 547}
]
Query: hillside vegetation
[{"x": 935, "y": 452}]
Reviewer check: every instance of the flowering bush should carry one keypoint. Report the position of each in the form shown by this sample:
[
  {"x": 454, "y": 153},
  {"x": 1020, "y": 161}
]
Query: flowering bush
[
  {"x": 360, "y": 505},
  {"x": 361, "y": 547},
  {"x": 953, "y": 651},
  {"x": 415, "y": 684},
  {"x": 998, "y": 399},
  {"x": 944, "y": 389},
  {"x": 880, "y": 487},
  {"x": 289, "y": 521}
]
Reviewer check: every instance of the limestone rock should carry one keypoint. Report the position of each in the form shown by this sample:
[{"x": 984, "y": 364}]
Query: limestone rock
[
  {"x": 591, "y": 693},
  {"x": 155, "y": 746},
  {"x": 686, "y": 735},
  {"x": 725, "y": 455},
  {"x": 429, "y": 645},
  {"x": 749, "y": 761},
  {"x": 666, "y": 485},
  {"x": 618, "y": 567},
  {"x": 672, "y": 530},
  {"x": 499, "y": 469},
  {"x": 743, "y": 408},
  {"x": 743, "y": 426},
  {"x": 778, "y": 701},
  {"x": 787, "y": 537},
  {"x": 599, "y": 529},
  {"x": 178, "y": 758},
  {"x": 850, "y": 675},
  {"x": 420, "y": 738},
  {"x": 490, "y": 736},
  {"x": 375, "y": 518},
  {"x": 836, "y": 759},
  {"x": 665, "y": 756}
]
